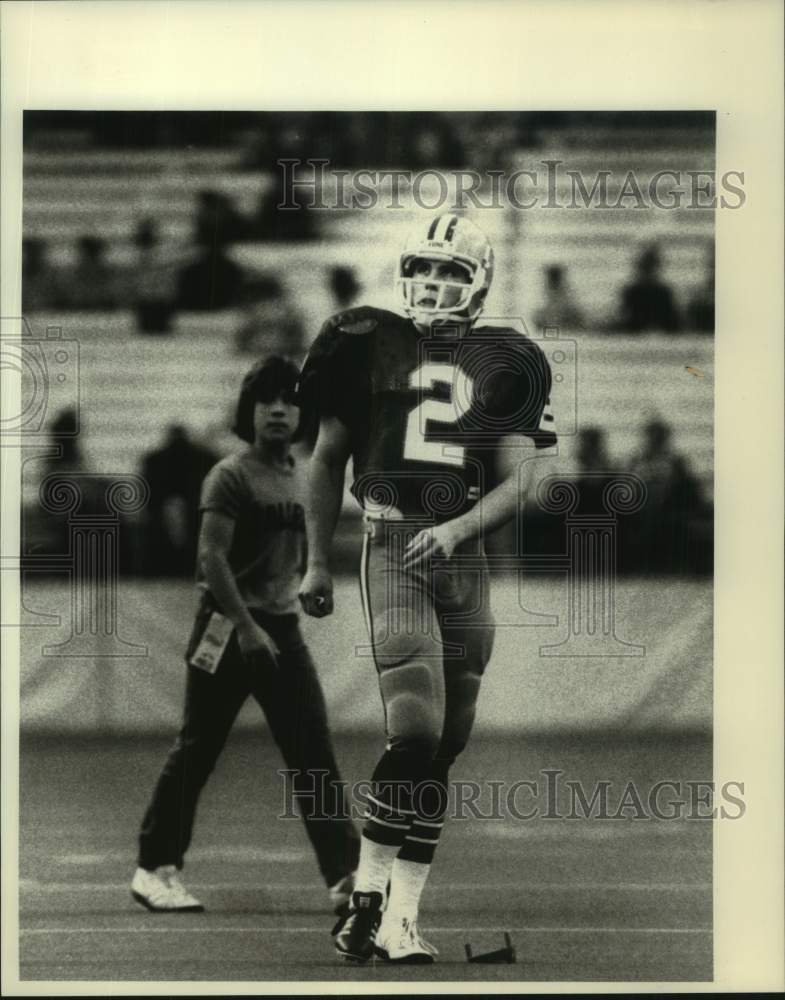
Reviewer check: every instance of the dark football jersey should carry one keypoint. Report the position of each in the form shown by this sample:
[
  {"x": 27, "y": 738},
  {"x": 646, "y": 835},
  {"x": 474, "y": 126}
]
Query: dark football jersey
[{"x": 425, "y": 413}]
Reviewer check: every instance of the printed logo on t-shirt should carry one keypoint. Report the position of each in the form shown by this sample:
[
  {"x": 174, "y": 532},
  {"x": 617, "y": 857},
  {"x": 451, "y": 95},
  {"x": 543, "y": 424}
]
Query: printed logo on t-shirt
[{"x": 288, "y": 514}]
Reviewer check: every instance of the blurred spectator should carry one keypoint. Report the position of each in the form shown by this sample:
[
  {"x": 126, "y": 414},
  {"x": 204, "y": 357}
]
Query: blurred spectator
[
  {"x": 591, "y": 451},
  {"x": 217, "y": 220},
  {"x": 50, "y": 532},
  {"x": 559, "y": 308},
  {"x": 655, "y": 462},
  {"x": 647, "y": 303},
  {"x": 63, "y": 433},
  {"x": 41, "y": 283},
  {"x": 344, "y": 287},
  {"x": 154, "y": 281},
  {"x": 270, "y": 324},
  {"x": 174, "y": 473},
  {"x": 211, "y": 281},
  {"x": 92, "y": 283},
  {"x": 274, "y": 223},
  {"x": 700, "y": 310},
  {"x": 595, "y": 467},
  {"x": 673, "y": 523}
]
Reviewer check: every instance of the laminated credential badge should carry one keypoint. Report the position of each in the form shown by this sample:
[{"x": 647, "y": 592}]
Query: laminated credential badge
[{"x": 215, "y": 638}]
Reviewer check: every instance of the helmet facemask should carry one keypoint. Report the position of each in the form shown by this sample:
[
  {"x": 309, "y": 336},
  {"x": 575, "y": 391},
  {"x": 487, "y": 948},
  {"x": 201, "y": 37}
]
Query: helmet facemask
[{"x": 465, "y": 307}]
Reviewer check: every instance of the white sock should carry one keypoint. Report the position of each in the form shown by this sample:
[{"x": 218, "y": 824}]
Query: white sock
[
  {"x": 376, "y": 861},
  {"x": 408, "y": 880}
]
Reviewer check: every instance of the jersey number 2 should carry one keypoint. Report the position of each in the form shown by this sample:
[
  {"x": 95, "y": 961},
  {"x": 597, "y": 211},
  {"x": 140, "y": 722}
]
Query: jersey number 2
[{"x": 416, "y": 448}]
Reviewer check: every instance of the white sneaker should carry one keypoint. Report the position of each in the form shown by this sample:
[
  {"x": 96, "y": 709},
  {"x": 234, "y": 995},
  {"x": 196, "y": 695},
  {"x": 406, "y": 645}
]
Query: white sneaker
[
  {"x": 163, "y": 892},
  {"x": 399, "y": 940},
  {"x": 341, "y": 893}
]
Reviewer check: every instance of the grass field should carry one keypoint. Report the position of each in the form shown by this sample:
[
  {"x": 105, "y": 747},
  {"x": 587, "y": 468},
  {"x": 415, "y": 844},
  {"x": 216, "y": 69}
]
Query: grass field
[{"x": 584, "y": 900}]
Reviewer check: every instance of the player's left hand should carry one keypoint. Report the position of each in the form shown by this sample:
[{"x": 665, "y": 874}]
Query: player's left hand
[{"x": 437, "y": 542}]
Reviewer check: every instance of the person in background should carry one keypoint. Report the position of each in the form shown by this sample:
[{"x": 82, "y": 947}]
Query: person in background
[
  {"x": 64, "y": 436},
  {"x": 217, "y": 219},
  {"x": 92, "y": 282},
  {"x": 674, "y": 499},
  {"x": 596, "y": 469},
  {"x": 154, "y": 281},
  {"x": 559, "y": 308},
  {"x": 246, "y": 640},
  {"x": 647, "y": 303},
  {"x": 269, "y": 324},
  {"x": 344, "y": 287},
  {"x": 65, "y": 462},
  {"x": 41, "y": 283},
  {"x": 211, "y": 281},
  {"x": 174, "y": 473}
]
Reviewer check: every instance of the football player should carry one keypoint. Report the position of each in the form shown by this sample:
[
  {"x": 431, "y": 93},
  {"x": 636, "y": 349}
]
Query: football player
[
  {"x": 420, "y": 404},
  {"x": 246, "y": 640}
]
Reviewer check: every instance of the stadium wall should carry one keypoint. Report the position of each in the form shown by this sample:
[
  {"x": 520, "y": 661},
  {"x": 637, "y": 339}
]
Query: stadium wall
[{"x": 132, "y": 682}]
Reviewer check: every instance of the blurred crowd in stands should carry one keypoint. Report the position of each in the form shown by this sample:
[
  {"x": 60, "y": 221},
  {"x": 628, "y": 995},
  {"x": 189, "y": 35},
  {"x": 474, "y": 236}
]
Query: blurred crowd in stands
[
  {"x": 646, "y": 304},
  {"x": 204, "y": 277},
  {"x": 161, "y": 282},
  {"x": 671, "y": 534}
]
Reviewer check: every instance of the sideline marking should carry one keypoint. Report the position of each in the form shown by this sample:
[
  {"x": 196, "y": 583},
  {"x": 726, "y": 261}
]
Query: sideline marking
[
  {"x": 34, "y": 885},
  {"x": 240, "y": 853}
]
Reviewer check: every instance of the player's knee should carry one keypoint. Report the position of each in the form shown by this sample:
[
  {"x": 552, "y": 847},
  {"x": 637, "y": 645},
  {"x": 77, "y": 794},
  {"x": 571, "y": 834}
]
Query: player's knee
[
  {"x": 413, "y": 710},
  {"x": 399, "y": 637}
]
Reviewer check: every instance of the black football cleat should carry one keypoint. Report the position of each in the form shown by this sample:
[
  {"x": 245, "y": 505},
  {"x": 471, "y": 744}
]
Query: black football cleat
[{"x": 355, "y": 932}]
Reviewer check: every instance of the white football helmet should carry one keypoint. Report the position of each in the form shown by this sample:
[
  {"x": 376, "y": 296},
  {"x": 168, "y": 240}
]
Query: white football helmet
[{"x": 448, "y": 238}]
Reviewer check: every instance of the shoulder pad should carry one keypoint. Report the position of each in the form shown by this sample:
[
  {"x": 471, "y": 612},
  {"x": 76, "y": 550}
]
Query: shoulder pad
[
  {"x": 363, "y": 319},
  {"x": 515, "y": 338}
]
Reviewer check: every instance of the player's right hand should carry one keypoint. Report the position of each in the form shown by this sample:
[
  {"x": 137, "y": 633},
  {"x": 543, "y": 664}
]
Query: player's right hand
[
  {"x": 254, "y": 642},
  {"x": 316, "y": 592}
]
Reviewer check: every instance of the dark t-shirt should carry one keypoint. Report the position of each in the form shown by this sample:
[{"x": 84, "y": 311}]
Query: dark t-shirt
[
  {"x": 425, "y": 413},
  {"x": 268, "y": 550}
]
